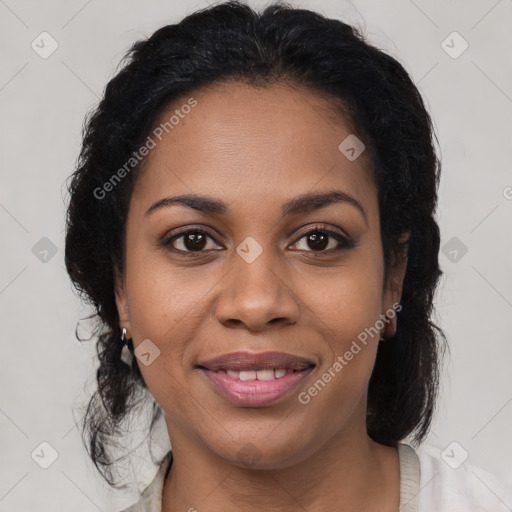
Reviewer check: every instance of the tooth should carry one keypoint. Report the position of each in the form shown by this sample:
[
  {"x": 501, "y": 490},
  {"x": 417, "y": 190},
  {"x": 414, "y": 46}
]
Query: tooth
[
  {"x": 265, "y": 374},
  {"x": 247, "y": 375}
]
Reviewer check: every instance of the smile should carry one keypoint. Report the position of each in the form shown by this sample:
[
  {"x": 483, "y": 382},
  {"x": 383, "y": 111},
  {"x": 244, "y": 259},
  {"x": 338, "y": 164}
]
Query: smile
[
  {"x": 256, "y": 380},
  {"x": 263, "y": 374}
]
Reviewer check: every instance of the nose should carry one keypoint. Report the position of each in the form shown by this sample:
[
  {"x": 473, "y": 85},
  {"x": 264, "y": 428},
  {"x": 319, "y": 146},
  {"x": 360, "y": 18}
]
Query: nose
[{"x": 257, "y": 295}]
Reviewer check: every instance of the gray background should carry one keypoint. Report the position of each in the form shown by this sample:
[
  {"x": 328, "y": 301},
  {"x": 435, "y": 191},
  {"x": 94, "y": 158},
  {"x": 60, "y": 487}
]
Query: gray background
[{"x": 45, "y": 372}]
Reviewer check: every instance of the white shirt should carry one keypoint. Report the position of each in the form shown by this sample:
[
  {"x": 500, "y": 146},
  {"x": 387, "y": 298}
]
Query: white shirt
[{"x": 427, "y": 484}]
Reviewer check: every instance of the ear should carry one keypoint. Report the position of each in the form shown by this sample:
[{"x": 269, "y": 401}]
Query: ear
[
  {"x": 122, "y": 302},
  {"x": 394, "y": 284}
]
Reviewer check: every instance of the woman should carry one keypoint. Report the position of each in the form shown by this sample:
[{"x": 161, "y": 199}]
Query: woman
[{"x": 252, "y": 217}]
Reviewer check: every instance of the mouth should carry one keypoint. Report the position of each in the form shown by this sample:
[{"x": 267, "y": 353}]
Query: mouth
[
  {"x": 255, "y": 379},
  {"x": 257, "y": 374}
]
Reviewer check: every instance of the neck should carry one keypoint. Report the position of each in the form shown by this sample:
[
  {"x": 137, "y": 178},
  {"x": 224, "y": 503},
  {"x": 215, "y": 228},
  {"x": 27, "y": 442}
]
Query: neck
[{"x": 348, "y": 473}]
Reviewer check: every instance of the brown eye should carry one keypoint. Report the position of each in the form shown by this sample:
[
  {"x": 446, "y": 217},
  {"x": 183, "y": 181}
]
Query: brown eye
[
  {"x": 191, "y": 241},
  {"x": 318, "y": 240},
  {"x": 194, "y": 241}
]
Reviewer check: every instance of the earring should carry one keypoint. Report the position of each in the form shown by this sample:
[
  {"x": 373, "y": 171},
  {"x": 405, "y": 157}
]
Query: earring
[{"x": 126, "y": 356}]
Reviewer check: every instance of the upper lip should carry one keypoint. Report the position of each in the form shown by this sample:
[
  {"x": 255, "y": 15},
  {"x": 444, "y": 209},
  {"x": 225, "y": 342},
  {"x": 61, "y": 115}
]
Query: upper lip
[{"x": 247, "y": 361}]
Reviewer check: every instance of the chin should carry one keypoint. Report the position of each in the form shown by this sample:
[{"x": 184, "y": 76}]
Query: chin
[{"x": 265, "y": 452}]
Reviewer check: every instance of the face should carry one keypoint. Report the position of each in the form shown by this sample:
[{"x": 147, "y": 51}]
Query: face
[{"x": 256, "y": 271}]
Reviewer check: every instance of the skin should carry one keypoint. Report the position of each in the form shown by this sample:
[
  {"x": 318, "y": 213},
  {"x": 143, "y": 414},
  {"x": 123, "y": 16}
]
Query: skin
[{"x": 255, "y": 149}]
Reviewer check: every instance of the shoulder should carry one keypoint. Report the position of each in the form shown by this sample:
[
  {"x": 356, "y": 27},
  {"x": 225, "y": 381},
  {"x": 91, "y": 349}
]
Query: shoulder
[
  {"x": 151, "y": 498},
  {"x": 448, "y": 483}
]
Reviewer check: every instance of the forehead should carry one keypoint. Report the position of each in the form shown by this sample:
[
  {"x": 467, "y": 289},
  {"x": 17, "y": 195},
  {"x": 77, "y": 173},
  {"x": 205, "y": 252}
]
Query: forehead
[{"x": 242, "y": 143}]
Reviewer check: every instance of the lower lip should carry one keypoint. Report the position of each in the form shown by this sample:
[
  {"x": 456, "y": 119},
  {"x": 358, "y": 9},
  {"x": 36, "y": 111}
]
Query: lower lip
[{"x": 255, "y": 393}]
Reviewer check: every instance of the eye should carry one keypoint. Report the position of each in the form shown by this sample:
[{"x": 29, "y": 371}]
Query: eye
[
  {"x": 189, "y": 242},
  {"x": 318, "y": 240},
  {"x": 192, "y": 242}
]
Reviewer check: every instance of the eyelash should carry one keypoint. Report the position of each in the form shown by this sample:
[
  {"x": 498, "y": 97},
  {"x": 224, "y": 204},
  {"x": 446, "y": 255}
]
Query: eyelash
[{"x": 345, "y": 243}]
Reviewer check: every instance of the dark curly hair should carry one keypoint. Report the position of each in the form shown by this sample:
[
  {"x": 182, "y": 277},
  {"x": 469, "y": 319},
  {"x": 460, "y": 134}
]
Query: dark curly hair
[{"x": 230, "y": 41}]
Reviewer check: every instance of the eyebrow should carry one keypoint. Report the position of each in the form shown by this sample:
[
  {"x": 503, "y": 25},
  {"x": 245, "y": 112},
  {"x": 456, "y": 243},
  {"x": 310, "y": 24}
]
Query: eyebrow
[{"x": 302, "y": 204}]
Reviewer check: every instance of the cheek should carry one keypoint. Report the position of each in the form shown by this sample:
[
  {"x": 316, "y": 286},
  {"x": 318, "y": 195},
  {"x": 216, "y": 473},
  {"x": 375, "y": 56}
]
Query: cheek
[
  {"x": 346, "y": 301},
  {"x": 168, "y": 307},
  {"x": 346, "y": 307},
  {"x": 163, "y": 298},
  {"x": 346, "y": 314}
]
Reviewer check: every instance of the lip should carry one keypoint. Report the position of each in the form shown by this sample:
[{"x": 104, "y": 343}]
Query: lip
[
  {"x": 256, "y": 393},
  {"x": 247, "y": 361}
]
